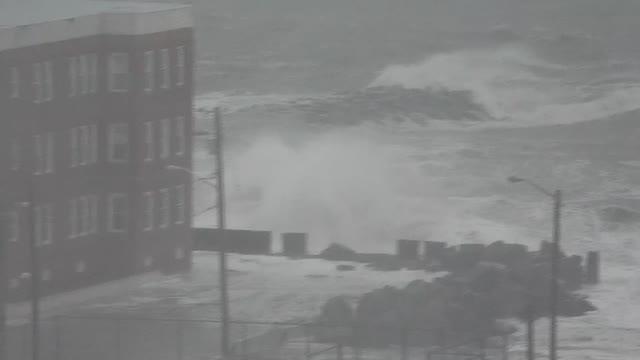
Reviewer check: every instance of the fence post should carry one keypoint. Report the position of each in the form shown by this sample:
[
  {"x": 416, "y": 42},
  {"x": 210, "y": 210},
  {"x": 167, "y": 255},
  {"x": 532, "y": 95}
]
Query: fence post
[
  {"x": 405, "y": 344},
  {"x": 58, "y": 345},
  {"x": 484, "y": 342},
  {"x": 180, "y": 336},
  {"x": 505, "y": 348},
  {"x": 25, "y": 341},
  {"x": 307, "y": 345},
  {"x": 593, "y": 268},
  {"x": 118, "y": 329},
  {"x": 355, "y": 341},
  {"x": 245, "y": 335}
]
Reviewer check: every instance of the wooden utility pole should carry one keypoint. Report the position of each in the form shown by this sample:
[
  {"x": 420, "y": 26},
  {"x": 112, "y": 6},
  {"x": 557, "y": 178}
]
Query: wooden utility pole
[
  {"x": 4, "y": 224},
  {"x": 35, "y": 271},
  {"x": 555, "y": 258},
  {"x": 530, "y": 318},
  {"x": 222, "y": 250}
]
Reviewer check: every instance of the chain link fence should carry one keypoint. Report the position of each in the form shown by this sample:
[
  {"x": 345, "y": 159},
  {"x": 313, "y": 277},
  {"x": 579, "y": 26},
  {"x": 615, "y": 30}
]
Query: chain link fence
[{"x": 128, "y": 338}]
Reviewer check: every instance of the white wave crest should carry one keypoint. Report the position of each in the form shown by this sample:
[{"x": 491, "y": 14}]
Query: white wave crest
[
  {"x": 500, "y": 80},
  {"x": 512, "y": 83}
]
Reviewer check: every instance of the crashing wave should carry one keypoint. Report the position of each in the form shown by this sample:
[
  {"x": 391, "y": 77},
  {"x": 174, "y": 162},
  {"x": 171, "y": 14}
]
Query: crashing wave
[{"x": 396, "y": 102}]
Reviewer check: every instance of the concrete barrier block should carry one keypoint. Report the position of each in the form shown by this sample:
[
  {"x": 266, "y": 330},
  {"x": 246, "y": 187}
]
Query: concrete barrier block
[
  {"x": 434, "y": 251},
  {"x": 408, "y": 249},
  {"x": 294, "y": 244},
  {"x": 593, "y": 267}
]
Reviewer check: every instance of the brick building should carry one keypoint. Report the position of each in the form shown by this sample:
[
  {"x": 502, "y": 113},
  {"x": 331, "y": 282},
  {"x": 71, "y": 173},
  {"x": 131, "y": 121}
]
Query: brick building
[{"x": 95, "y": 103}]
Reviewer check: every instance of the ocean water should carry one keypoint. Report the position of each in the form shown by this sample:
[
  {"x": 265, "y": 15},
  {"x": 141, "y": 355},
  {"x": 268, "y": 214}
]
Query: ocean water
[{"x": 364, "y": 122}]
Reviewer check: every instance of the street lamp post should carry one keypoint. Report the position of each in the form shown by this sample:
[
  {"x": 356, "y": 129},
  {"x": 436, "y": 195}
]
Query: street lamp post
[
  {"x": 224, "y": 297},
  {"x": 222, "y": 250},
  {"x": 555, "y": 258}
]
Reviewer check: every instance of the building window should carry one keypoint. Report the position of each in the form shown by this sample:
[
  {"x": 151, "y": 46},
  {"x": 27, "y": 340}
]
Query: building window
[
  {"x": 92, "y": 60},
  {"x": 43, "y": 224},
  {"x": 181, "y": 196},
  {"x": 94, "y": 144},
  {"x": 47, "y": 89},
  {"x": 85, "y": 145},
  {"x": 181, "y": 144},
  {"x": 93, "y": 205},
  {"x": 44, "y": 151},
  {"x": 164, "y": 215},
  {"x": 73, "y": 218},
  {"x": 48, "y": 220},
  {"x": 14, "y": 283},
  {"x": 74, "y": 156},
  {"x": 179, "y": 253},
  {"x": 83, "y": 74},
  {"x": 42, "y": 81},
  {"x": 180, "y": 65},
  {"x": 73, "y": 76},
  {"x": 46, "y": 275},
  {"x": 148, "y": 141},
  {"x": 50, "y": 153},
  {"x": 15, "y": 154},
  {"x": 14, "y": 83},
  {"x": 13, "y": 225},
  {"x": 165, "y": 77},
  {"x": 85, "y": 215},
  {"x": 149, "y": 70},
  {"x": 39, "y": 160},
  {"x": 38, "y": 224},
  {"x": 37, "y": 83},
  {"x": 118, "y": 142},
  {"x": 165, "y": 138},
  {"x": 117, "y": 212},
  {"x": 148, "y": 211},
  {"x": 119, "y": 72},
  {"x": 148, "y": 261}
]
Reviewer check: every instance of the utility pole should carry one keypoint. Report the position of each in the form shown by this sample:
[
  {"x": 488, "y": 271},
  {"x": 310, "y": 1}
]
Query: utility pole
[
  {"x": 35, "y": 271},
  {"x": 530, "y": 318},
  {"x": 555, "y": 258},
  {"x": 224, "y": 298},
  {"x": 4, "y": 226}
]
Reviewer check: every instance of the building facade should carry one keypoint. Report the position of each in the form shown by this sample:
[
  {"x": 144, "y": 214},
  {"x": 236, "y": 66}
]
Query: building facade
[{"x": 96, "y": 103}]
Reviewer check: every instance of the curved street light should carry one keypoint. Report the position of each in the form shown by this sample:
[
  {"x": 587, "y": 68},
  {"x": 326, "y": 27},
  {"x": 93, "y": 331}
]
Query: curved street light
[
  {"x": 556, "y": 196},
  {"x": 220, "y": 190}
]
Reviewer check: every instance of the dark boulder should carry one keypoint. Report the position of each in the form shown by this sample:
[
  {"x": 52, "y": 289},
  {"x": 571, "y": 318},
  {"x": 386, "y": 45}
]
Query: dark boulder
[
  {"x": 507, "y": 254},
  {"x": 571, "y": 272},
  {"x": 338, "y": 252},
  {"x": 345, "y": 267},
  {"x": 572, "y": 305},
  {"x": 385, "y": 263},
  {"x": 619, "y": 215}
]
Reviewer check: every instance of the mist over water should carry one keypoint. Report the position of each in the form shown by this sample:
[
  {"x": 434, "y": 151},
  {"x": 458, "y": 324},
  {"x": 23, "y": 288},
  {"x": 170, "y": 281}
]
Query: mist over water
[{"x": 349, "y": 186}]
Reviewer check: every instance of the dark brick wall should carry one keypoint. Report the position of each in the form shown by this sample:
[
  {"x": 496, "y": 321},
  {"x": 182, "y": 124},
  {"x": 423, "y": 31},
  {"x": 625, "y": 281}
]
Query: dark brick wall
[{"x": 107, "y": 255}]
